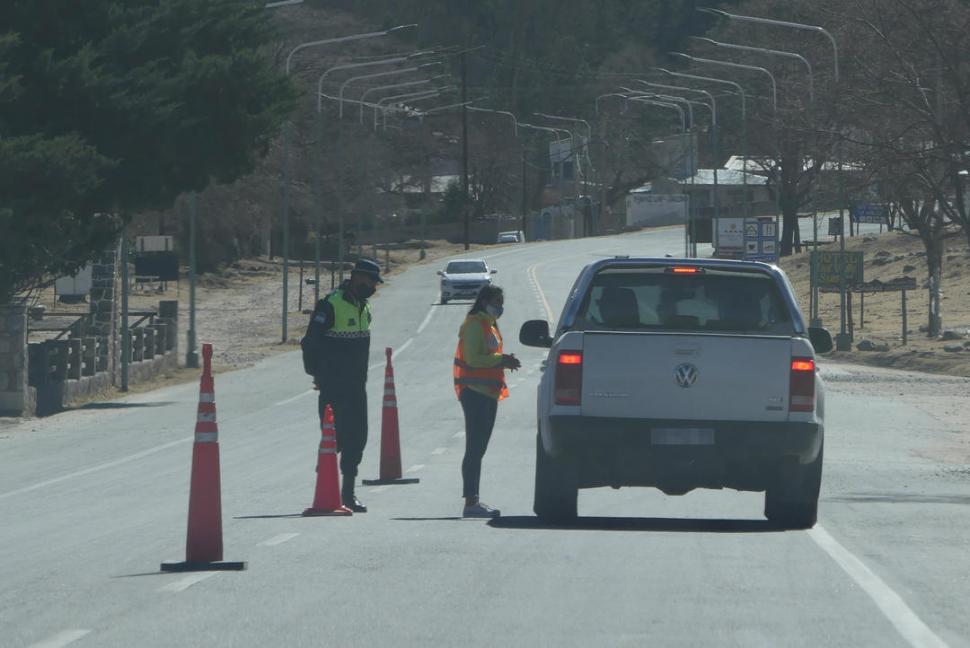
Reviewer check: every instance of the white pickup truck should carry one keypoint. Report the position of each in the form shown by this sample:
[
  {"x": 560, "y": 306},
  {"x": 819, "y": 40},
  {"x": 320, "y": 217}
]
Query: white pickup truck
[{"x": 680, "y": 374}]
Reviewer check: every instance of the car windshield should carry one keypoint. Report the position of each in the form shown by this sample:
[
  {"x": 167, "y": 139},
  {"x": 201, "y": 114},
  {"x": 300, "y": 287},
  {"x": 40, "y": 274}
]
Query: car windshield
[
  {"x": 466, "y": 267},
  {"x": 708, "y": 301}
]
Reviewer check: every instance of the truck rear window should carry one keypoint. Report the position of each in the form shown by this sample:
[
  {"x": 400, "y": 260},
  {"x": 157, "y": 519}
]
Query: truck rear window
[{"x": 712, "y": 301}]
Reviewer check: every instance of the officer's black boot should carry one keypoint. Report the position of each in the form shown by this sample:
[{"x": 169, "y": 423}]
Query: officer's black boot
[{"x": 348, "y": 498}]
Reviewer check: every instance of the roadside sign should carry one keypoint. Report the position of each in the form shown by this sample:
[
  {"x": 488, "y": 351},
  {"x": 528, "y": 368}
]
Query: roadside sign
[
  {"x": 869, "y": 213},
  {"x": 730, "y": 237},
  {"x": 761, "y": 239},
  {"x": 827, "y": 265},
  {"x": 835, "y": 226}
]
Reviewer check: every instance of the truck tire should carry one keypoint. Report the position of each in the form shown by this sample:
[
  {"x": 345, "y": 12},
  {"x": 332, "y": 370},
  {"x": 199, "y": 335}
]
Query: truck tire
[
  {"x": 792, "y": 500},
  {"x": 556, "y": 493}
]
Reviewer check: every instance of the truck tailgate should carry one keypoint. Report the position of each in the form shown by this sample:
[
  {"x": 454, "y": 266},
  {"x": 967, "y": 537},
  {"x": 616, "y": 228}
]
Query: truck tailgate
[{"x": 722, "y": 377}]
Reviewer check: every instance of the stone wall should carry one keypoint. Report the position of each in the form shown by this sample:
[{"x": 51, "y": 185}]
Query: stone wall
[{"x": 16, "y": 398}]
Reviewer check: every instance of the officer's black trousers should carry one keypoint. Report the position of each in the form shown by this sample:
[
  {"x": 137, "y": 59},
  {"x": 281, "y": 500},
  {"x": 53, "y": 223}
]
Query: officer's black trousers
[
  {"x": 349, "y": 403},
  {"x": 480, "y": 413}
]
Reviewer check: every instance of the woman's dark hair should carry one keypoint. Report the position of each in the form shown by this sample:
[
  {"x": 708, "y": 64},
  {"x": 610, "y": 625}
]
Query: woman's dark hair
[{"x": 485, "y": 295}]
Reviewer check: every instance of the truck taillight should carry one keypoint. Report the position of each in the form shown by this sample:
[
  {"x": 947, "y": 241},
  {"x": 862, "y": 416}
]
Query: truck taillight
[
  {"x": 569, "y": 378},
  {"x": 801, "y": 392}
]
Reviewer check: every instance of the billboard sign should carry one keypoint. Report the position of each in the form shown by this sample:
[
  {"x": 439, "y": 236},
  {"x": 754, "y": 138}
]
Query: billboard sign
[
  {"x": 870, "y": 213},
  {"x": 827, "y": 266}
]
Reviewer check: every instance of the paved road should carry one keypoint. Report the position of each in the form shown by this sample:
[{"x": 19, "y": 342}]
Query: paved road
[{"x": 91, "y": 501}]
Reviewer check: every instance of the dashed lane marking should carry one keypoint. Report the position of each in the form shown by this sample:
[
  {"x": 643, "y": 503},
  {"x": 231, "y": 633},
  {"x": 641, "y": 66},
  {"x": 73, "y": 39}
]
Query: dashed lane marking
[
  {"x": 278, "y": 539},
  {"x": 415, "y": 468},
  {"x": 891, "y": 604},
  {"x": 439, "y": 451},
  {"x": 459, "y": 435},
  {"x": 99, "y": 467},
  {"x": 61, "y": 639},
  {"x": 185, "y": 583},
  {"x": 294, "y": 399}
]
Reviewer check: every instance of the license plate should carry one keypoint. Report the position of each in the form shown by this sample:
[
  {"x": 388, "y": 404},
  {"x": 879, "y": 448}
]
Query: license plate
[{"x": 682, "y": 436}]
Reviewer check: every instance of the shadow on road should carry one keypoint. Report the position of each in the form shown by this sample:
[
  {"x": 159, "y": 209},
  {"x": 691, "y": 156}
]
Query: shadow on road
[
  {"x": 111, "y": 406},
  {"x": 900, "y": 498},
  {"x": 267, "y": 517},
  {"x": 154, "y": 573},
  {"x": 523, "y": 522}
]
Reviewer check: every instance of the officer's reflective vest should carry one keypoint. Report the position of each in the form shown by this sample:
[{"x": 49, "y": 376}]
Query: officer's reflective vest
[
  {"x": 349, "y": 321},
  {"x": 493, "y": 379}
]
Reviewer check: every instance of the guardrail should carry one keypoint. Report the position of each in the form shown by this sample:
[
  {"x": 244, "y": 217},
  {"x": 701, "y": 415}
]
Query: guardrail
[{"x": 77, "y": 360}]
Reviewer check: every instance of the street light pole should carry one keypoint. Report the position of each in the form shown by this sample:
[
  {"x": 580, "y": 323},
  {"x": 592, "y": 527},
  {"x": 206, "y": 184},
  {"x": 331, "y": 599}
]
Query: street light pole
[
  {"x": 843, "y": 341},
  {"x": 744, "y": 125},
  {"x": 589, "y": 162},
  {"x": 688, "y": 229},
  {"x": 715, "y": 145},
  {"x": 286, "y": 181}
]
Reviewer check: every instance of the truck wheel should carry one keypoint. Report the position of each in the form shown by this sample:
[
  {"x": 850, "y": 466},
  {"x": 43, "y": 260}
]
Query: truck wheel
[
  {"x": 792, "y": 501},
  {"x": 556, "y": 493}
]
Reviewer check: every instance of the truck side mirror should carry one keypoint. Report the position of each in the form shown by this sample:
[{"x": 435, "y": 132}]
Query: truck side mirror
[
  {"x": 820, "y": 338},
  {"x": 535, "y": 333}
]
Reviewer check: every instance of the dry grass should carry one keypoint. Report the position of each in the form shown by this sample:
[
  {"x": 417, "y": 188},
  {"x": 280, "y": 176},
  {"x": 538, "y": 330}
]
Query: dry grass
[{"x": 887, "y": 257}]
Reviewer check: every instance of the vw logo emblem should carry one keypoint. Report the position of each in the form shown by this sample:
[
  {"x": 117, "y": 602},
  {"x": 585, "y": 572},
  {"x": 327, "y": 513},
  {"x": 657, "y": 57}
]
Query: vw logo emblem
[{"x": 686, "y": 375}]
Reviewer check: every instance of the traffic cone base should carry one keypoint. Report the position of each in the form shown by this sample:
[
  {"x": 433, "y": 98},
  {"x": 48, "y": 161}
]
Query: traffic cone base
[
  {"x": 341, "y": 510},
  {"x": 390, "y": 472},
  {"x": 389, "y": 482},
  {"x": 202, "y": 566}
]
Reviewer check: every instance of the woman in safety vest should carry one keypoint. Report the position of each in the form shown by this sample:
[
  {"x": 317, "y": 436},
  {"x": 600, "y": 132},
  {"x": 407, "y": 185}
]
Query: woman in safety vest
[{"x": 480, "y": 384}]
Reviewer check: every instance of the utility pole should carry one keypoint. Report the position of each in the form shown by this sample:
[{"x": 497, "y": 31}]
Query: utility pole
[
  {"x": 125, "y": 332},
  {"x": 191, "y": 356},
  {"x": 464, "y": 150}
]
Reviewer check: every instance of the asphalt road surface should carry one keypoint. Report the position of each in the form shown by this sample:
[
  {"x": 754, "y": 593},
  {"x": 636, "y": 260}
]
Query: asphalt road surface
[{"x": 91, "y": 501}]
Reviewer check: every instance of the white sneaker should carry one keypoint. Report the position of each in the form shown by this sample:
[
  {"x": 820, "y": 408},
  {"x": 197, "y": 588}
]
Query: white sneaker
[{"x": 479, "y": 510}]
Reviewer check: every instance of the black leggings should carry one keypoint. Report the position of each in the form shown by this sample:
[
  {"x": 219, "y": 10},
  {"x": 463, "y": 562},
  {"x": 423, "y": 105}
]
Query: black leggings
[
  {"x": 350, "y": 420},
  {"x": 479, "y": 420}
]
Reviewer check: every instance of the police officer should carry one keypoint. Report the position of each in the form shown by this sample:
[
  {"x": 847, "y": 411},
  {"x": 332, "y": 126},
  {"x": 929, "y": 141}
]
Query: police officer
[{"x": 336, "y": 348}]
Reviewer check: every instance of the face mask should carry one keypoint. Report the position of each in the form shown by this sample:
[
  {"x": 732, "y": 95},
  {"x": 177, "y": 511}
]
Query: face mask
[
  {"x": 494, "y": 311},
  {"x": 364, "y": 291}
]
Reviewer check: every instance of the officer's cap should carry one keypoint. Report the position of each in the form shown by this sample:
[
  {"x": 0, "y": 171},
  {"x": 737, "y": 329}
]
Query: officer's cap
[{"x": 368, "y": 267}]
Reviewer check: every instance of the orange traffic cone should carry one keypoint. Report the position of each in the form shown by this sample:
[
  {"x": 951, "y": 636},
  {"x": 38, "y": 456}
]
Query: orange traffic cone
[
  {"x": 390, "y": 435},
  {"x": 203, "y": 546},
  {"x": 326, "y": 500}
]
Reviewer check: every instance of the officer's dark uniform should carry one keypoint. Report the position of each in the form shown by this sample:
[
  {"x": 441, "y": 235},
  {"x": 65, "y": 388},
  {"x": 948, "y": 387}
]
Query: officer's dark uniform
[{"x": 336, "y": 349}]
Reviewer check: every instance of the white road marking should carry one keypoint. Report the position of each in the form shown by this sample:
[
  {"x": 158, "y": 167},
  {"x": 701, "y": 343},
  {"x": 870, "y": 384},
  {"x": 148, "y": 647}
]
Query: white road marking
[
  {"x": 401, "y": 348},
  {"x": 459, "y": 435},
  {"x": 61, "y": 639},
  {"x": 906, "y": 622},
  {"x": 415, "y": 468},
  {"x": 185, "y": 583},
  {"x": 539, "y": 293},
  {"x": 99, "y": 467},
  {"x": 278, "y": 540},
  {"x": 427, "y": 320},
  {"x": 439, "y": 451},
  {"x": 295, "y": 398}
]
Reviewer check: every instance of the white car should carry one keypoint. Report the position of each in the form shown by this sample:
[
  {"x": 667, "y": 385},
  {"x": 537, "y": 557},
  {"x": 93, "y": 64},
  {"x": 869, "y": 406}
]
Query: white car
[
  {"x": 463, "y": 279},
  {"x": 512, "y": 236},
  {"x": 681, "y": 374}
]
